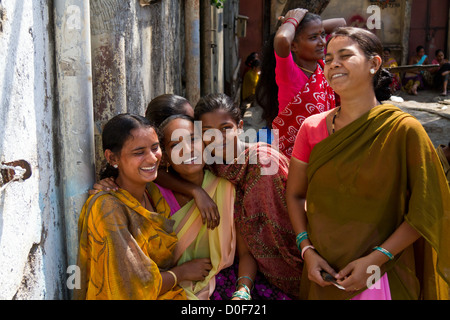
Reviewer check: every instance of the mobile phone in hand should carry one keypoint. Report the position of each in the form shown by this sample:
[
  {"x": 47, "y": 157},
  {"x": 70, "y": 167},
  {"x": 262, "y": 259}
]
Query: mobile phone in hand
[{"x": 329, "y": 278}]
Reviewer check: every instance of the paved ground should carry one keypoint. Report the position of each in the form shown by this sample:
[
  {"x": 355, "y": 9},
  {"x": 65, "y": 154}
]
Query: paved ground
[{"x": 432, "y": 110}]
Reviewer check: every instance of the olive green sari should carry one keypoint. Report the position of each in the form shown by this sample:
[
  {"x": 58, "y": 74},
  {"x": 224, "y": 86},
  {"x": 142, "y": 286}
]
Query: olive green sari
[{"x": 363, "y": 182}]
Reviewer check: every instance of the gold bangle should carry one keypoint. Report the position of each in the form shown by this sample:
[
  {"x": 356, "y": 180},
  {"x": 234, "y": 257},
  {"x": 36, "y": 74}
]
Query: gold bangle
[{"x": 174, "y": 277}]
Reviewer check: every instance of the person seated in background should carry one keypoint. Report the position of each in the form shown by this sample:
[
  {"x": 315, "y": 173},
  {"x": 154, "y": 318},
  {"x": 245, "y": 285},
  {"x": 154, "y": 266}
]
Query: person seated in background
[
  {"x": 442, "y": 73},
  {"x": 251, "y": 77},
  {"x": 390, "y": 62},
  {"x": 414, "y": 80}
]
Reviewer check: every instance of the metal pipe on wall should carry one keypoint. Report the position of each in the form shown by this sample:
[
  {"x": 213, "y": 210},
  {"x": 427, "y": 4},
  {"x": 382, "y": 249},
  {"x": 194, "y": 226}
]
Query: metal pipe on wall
[
  {"x": 192, "y": 60},
  {"x": 207, "y": 46},
  {"x": 75, "y": 112}
]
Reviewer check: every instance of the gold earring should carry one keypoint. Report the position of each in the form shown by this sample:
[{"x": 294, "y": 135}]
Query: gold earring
[{"x": 167, "y": 167}]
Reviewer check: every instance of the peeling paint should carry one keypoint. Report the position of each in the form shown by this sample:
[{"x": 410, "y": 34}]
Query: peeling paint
[{"x": 32, "y": 254}]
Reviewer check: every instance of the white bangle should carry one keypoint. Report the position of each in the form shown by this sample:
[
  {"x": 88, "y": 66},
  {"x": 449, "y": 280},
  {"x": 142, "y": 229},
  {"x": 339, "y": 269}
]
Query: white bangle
[
  {"x": 306, "y": 248},
  {"x": 174, "y": 277}
]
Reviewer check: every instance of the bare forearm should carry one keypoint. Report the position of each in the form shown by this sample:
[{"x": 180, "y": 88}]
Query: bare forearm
[
  {"x": 286, "y": 32},
  {"x": 283, "y": 39},
  {"x": 168, "y": 282},
  {"x": 403, "y": 237},
  {"x": 297, "y": 186},
  {"x": 248, "y": 266},
  {"x": 330, "y": 24},
  {"x": 297, "y": 213}
]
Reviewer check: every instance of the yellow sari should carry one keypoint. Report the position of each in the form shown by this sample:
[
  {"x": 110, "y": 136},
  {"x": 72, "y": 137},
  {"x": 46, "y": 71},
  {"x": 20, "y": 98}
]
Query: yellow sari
[
  {"x": 122, "y": 249},
  {"x": 196, "y": 241},
  {"x": 363, "y": 182}
]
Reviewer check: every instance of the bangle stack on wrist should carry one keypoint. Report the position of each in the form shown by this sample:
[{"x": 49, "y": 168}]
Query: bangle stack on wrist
[
  {"x": 244, "y": 295},
  {"x": 292, "y": 21},
  {"x": 300, "y": 237}
]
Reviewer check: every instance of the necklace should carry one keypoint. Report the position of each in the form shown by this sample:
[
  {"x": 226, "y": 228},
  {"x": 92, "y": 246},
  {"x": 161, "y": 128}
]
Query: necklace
[
  {"x": 334, "y": 119},
  {"x": 304, "y": 69}
]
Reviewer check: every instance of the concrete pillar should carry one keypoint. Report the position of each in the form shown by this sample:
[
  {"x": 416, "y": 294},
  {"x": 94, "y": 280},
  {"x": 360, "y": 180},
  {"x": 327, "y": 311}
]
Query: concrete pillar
[
  {"x": 75, "y": 111},
  {"x": 192, "y": 60}
]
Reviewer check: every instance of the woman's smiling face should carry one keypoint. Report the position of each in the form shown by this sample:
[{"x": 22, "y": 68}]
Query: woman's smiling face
[
  {"x": 185, "y": 154},
  {"x": 221, "y": 121},
  {"x": 140, "y": 156},
  {"x": 346, "y": 66}
]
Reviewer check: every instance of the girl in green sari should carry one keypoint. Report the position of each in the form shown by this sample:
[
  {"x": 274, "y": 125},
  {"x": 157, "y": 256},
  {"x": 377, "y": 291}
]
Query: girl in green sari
[
  {"x": 183, "y": 153},
  {"x": 377, "y": 203}
]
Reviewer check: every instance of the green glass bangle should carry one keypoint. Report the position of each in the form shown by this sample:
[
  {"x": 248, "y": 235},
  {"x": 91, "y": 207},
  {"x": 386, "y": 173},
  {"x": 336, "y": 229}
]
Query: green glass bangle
[
  {"x": 300, "y": 237},
  {"x": 387, "y": 253},
  {"x": 244, "y": 277},
  {"x": 244, "y": 286},
  {"x": 241, "y": 295}
]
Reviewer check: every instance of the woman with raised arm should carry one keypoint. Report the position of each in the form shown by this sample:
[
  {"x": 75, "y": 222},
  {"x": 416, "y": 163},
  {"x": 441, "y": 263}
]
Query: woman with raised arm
[{"x": 292, "y": 85}]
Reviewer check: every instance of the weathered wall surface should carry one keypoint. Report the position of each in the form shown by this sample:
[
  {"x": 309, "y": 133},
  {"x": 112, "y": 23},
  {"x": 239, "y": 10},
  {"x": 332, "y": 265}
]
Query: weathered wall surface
[
  {"x": 32, "y": 254},
  {"x": 136, "y": 53},
  {"x": 394, "y": 22}
]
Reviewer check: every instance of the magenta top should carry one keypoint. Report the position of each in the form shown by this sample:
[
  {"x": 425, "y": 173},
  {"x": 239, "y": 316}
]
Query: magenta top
[{"x": 290, "y": 80}]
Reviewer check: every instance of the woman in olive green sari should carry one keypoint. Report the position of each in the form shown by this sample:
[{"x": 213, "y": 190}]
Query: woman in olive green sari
[{"x": 377, "y": 202}]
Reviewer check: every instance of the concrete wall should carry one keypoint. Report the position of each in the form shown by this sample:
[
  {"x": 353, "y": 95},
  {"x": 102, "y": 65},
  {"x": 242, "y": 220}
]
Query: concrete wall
[
  {"x": 394, "y": 21},
  {"x": 32, "y": 251},
  {"x": 137, "y": 53}
]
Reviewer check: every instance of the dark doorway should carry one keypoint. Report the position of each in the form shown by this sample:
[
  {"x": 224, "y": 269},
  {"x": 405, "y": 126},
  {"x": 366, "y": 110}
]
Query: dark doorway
[{"x": 429, "y": 26}]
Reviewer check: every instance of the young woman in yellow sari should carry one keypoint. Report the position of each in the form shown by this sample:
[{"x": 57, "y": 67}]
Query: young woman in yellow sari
[
  {"x": 183, "y": 156},
  {"x": 127, "y": 241},
  {"x": 377, "y": 202}
]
